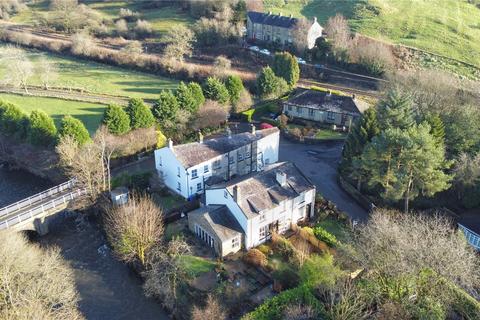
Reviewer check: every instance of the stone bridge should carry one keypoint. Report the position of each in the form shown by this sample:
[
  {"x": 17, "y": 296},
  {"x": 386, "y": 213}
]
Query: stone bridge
[{"x": 35, "y": 212}]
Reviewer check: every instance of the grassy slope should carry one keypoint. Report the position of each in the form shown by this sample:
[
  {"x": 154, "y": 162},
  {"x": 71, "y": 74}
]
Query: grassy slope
[
  {"x": 101, "y": 78},
  {"x": 447, "y": 27},
  {"x": 90, "y": 114},
  {"x": 161, "y": 19}
]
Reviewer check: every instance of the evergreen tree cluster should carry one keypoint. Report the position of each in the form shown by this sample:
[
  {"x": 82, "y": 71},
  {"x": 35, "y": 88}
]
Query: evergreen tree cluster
[
  {"x": 397, "y": 152},
  {"x": 38, "y": 128}
]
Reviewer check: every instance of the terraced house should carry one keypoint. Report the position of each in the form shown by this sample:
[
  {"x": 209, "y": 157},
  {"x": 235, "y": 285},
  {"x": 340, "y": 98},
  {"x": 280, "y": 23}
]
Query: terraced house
[
  {"x": 245, "y": 211},
  {"x": 276, "y": 28},
  {"x": 186, "y": 168}
]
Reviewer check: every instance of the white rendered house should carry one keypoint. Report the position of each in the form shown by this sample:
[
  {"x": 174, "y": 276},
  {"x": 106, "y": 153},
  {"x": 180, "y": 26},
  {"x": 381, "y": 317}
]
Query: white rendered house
[
  {"x": 253, "y": 207},
  {"x": 185, "y": 168}
]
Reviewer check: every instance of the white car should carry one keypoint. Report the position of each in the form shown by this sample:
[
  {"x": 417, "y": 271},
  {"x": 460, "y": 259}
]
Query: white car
[
  {"x": 301, "y": 61},
  {"x": 265, "y": 51},
  {"x": 254, "y": 48}
]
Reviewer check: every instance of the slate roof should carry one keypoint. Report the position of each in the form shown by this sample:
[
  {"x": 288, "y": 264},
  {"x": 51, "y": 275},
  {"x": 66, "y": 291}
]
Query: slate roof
[
  {"x": 325, "y": 102},
  {"x": 271, "y": 19},
  {"x": 192, "y": 154},
  {"x": 219, "y": 218},
  {"x": 261, "y": 191}
]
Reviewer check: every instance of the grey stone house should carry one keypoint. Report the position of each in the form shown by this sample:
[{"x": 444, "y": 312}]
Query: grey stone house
[
  {"x": 273, "y": 28},
  {"x": 323, "y": 107}
]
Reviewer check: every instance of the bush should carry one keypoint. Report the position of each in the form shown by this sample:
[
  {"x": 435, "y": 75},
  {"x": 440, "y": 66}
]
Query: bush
[
  {"x": 210, "y": 115},
  {"x": 320, "y": 271},
  {"x": 12, "y": 120},
  {"x": 186, "y": 98},
  {"x": 256, "y": 258},
  {"x": 197, "y": 93},
  {"x": 140, "y": 114},
  {"x": 74, "y": 128},
  {"x": 41, "y": 130},
  {"x": 269, "y": 85},
  {"x": 235, "y": 87},
  {"x": 285, "y": 248},
  {"x": 116, "y": 120},
  {"x": 287, "y": 277},
  {"x": 248, "y": 114},
  {"x": 143, "y": 28},
  {"x": 325, "y": 236},
  {"x": 161, "y": 139},
  {"x": 286, "y": 66},
  {"x": 215, "y": 90}
]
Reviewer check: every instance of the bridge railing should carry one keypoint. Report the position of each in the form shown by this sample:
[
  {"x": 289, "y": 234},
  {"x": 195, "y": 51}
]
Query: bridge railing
[
  {"x": 41, "y": 209},
  {"x": 36, "y": 198}
]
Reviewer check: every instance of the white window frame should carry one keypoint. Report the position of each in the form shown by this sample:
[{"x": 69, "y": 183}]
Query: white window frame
[{"x": 194, "y": 174}]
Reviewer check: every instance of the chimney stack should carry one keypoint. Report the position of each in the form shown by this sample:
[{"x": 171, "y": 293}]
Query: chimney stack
[
  {"x": 253, "y": 129},
  {"x": 281, "y": 178},
  {"x": 269, "y": 13},
  {"x": 237, "y": 194},
  {"x": 314, "y": 19},
  {"x": 200, "y": 137},
  {"x": 229, "y": 133},
  {"x": 280, "y": 14},
  {"x": 170, "y": 144},
  {"x": 353, "y": 97},
  {"x": 291, "y": 16}
]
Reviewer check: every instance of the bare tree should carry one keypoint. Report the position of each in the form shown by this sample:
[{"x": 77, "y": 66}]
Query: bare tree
[
  {"x": 134, "y": 228},
  {"x": 211, "y": 114},
  {"x": 166, "y": 272},
  {"x": 222, "y": 66},
  {"x": 82, "y": 43},
  {"x": 467, "y": 171},
  {"x": 255, "y": 5},
  {"x": 394, "y": 247},
  {"x": 179, "y": 41},
  {"x": 213, "y": 310},
  {"x": 34, "y": 283},
  {"x": 338, "y": 32},
  {"x": 300, "y": 35},
  {"x": 19, "y": 68},
  {"x": 121, "y": 27},
  {"x": 47, "y": 71}
]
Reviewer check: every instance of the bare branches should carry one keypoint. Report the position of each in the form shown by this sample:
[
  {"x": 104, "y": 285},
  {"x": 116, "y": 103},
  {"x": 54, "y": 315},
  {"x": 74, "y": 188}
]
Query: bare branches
[
  {"x": 34, "y": 284},
  {"x": 134, "y": 228},
  {"x": 213, "y": 310}
]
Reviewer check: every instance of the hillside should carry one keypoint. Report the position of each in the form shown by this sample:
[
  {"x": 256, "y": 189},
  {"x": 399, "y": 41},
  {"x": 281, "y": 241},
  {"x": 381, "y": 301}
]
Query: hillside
[{"x": 446, "y": 27}]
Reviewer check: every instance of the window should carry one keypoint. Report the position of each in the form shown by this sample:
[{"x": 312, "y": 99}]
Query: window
[
  {"x": 178, "y": 171},
  {"x": 194, "y": 174},
  {"x": 247, "y": 154},
  {"x": 239, "y": 157},
  {"x": 263, "y": 232},
  {"x": 199, "y": 186},
  {"x": 235, "y": 242},
  {"x": 179, "y": 186},
  {"x": 160, "y": 161},
  {"x": 299, "y": 110},
  {"x": 205, "y": 168},
  {"x": 330, "y": 115},
  {"x": 231, "y": 160},
  {"x": 225, "y": 194},
  {"x": 310, "y": 112},
  {"x": 217, "y": 164},
  {"x": 289, "y": 108},
  {"x": 262, "y": 217}
]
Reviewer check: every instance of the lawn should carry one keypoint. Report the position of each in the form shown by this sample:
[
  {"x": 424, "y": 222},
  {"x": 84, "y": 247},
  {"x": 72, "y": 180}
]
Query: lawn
[
  {"x": 446, "y": 27},
  {"x": 161, "y": 19},
  {"x": 89, "y": 113},
  {"x": 100, "y": 78},
  {"x": 197, "y": 265},
  {"x": 337, "y": 228},
  {"x": 325, "y": 134}
]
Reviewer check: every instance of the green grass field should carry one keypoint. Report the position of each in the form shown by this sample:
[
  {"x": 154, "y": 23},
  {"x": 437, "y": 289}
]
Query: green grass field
[
  {"x": 446, "y": 27},
  {"x": 101, "y": 78},
  {"x": 161, "y": 19},
  {"x": 90, "y": 114}
]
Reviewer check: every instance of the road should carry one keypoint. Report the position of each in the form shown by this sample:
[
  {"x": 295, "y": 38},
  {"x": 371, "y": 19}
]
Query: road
[{"x": 319, "y": 163}]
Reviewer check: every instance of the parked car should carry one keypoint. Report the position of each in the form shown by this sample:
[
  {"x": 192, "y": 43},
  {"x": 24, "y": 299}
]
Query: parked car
[
  {"x": 265, "y": 51},
  {"x": 301, "y": 61},
  {"x": 318, "y": 66},
  {"x": 254, "y": 48}
]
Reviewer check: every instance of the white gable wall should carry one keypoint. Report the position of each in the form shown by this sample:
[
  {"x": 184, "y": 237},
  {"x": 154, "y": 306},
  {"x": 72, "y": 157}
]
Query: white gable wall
[
  {"x": 267, "y": 149},
  {"x": 168, "y": 169},
  {"x": 314, "y": 33}
]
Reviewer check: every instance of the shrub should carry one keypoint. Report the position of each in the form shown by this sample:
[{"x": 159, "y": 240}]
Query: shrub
[
  {"x": 235, "y": 87},
  {"x": 161, "y": 139},
  {"x": 244, "y": 102},
  {"x": 264, "y": 249},
  {"x": 269, "y": 85},
  {"x": 248, "y": 114},
  {"x": 215, "y": 90},
  {"x": 197, "y": 93},
  {"x": 140, "y": 114},
  {"x": 320, "y": 271},
  {"x": 116, "y": 119},
  {"x": 256, "y": 258},
  {"x": 210, "y": 115},
  {"x": 166, "y": 107},
  {"x": 287, "y": 277},
  {"x": 74, "y": 128},
  {"x": 12, "y": 120},
  {"x": 82, "y": 44},
  {"x": 143, "y": 28},
  {"x": 41, "y": 130},
  {"x": 186, "y": 98},
  {"x": 286, "y": 66},
  {"x": 325, "y": 236}
]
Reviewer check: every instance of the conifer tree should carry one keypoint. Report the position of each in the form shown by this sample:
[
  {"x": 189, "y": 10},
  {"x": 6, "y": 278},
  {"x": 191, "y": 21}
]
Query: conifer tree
[
  {"x": 116, "y": 119},
  {"x": 166, "y": 107},
  {"x": 74, "y": 128},
  {"x": 41, "y": 130},
  {"x": 395, "y": 111},
  {"x": 140, "y": 114},
  {"x": 286, "y": 66}
]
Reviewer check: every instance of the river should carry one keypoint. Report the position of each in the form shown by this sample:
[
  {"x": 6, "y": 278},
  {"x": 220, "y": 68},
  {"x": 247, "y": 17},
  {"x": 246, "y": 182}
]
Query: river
[{"x": 107, "y": 288}]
